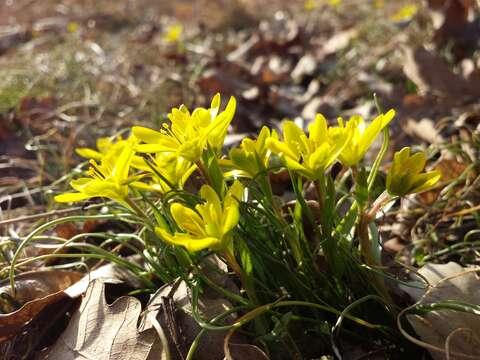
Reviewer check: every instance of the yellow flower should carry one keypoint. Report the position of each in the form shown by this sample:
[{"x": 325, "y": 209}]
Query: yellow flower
[
  {"x": 379, "y": 4},
  {"x": 405, "y": 175},
  {"x": 309, "y": 156},
  {"x": 405, "y": 13},
  {"x": 210, "y": 224},
  {"x": 103, "y": 144},
  {"x": 167, "y": 170},
  {"x": 362, "y": 136},
  {"x": 309, "y": 5},
  {"x": 108, "y": 179},
  {"x": 173, "y": 33},
  {"x": 253, "y": 155},
  {"x": 188, "y": 134},
  {"x": 335, "y": 3}
]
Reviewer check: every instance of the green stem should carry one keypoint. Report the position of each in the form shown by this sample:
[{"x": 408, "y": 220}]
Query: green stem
[
  {"x": 232, "y": 262},
  {"x": 328, "y": 242},
  {"x": 136, "y": 208},
  {"x": 47, "y": 225},
  {"x": 368, "y": 255}
]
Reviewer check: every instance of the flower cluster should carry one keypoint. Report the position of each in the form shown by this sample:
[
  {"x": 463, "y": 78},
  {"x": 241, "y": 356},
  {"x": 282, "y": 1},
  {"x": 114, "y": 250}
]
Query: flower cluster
[{"x": 163, "y": 161}]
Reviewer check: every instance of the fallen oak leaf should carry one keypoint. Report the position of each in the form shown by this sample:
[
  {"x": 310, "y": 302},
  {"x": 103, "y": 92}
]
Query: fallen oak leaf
[
  {"x": 34, "y": 285},
  {"x": 447, "y": 334},
  {"x": 432, "y": 75},
  {"x": 98, "y": 331},
  {"x": 43, "y": 301},
  {"x": 173, "y": 303}
]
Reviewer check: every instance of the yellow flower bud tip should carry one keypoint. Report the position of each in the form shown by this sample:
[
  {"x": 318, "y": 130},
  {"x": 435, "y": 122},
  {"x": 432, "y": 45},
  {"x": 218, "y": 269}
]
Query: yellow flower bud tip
[{"x": 405, "y": 175}]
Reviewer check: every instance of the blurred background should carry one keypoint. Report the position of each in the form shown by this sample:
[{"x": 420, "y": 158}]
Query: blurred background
[{"x": 72, "y": 71}]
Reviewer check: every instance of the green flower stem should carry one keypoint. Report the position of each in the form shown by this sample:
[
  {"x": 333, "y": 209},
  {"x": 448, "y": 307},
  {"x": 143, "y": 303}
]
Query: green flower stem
[
  {"x": 196, "y": 341},
  {"x": 368, "y": 255},
  {"x": 365, "y": 243},
  {"x": 237, "y": 269},
  {"x": 328, "y": 242},
  {"x": 136, "y": 208},
  {"x": 268, "y": 307}
]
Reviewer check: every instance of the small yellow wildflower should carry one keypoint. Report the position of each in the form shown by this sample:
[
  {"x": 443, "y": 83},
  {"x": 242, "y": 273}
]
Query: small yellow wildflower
[
  {"x": 405, "y": 13},
  {"x": 309, "y": 156},
  {"x": 253, "y": 155},
  {"x": 167, "y": 170},
  {"x": 362, "y": 136},
  {"x": 188, "y": 134},
  {"x": 379, "y": 4},
  {"x": 309, "y": 5},
  {"x": 210, "y": 224},
  {"x": 405, "y": 175},
  {"x": 173, "y": 33},
  {"x": 335, "y": 3},
  {"x": 72, "y": 27},
  {"x": 108, "y": 179}
]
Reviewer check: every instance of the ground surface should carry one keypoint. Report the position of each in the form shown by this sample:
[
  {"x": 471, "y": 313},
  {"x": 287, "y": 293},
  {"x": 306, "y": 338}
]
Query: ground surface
[{"x": 73, "y": 71}]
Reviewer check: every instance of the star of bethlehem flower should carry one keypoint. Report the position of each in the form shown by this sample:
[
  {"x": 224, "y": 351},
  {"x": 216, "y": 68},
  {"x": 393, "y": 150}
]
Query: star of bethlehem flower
[
  {"x": 362, "y": 136},
  {"x": 108, "y": 179},
  {"x": 210, "y": 224},
  {"x": 166, "y": 170},
  {"x": 405, "y": 175},
  {"x": 309, "y": 156},
  {"x": 188, "y": 134},
  {"x": 252, "y": 156}
]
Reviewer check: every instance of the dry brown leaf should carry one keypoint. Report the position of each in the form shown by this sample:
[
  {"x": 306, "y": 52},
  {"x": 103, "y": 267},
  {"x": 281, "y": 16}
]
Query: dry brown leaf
[
  {"x": 432, "y": 75},
  {"x": 423, "y": 129},
  {"x": 459, "y": 330},
  {"x": 38, "y": 284},
  {"x": 181, "y": 328},
  {"x": 98, "y": 331},
  {"x": 44, "y": 302}
]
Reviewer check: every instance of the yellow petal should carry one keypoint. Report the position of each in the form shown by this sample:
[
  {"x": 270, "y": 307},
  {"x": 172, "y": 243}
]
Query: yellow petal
[
  {"x": 415, "y": 163},
  {"x": 426, "y": 181},
  {"x": 215, "y": 105},
  {"x": 232, "y": 216},
  {"x": 89, "y": 153},
  {"x": 318, "y": 129},
  {"x": 71, "y": 197},
  {"x": 196, "y": 244},
  {"x": 146, "y": 135},
  {"x": 293, "y": 165},
  {"x": 187, "y": 219},
  {"x": 281, "y": 149},
  {"x": 80, "y": 183},
  {"x": 210, "y": 196},
  {"x": 234, "y": 194},
  {"x": 292, "y": 135},
  {"x": 153, "y": 148},
  {"x": 190, "y": 243},
  {"x": 122, "y": 164}
]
